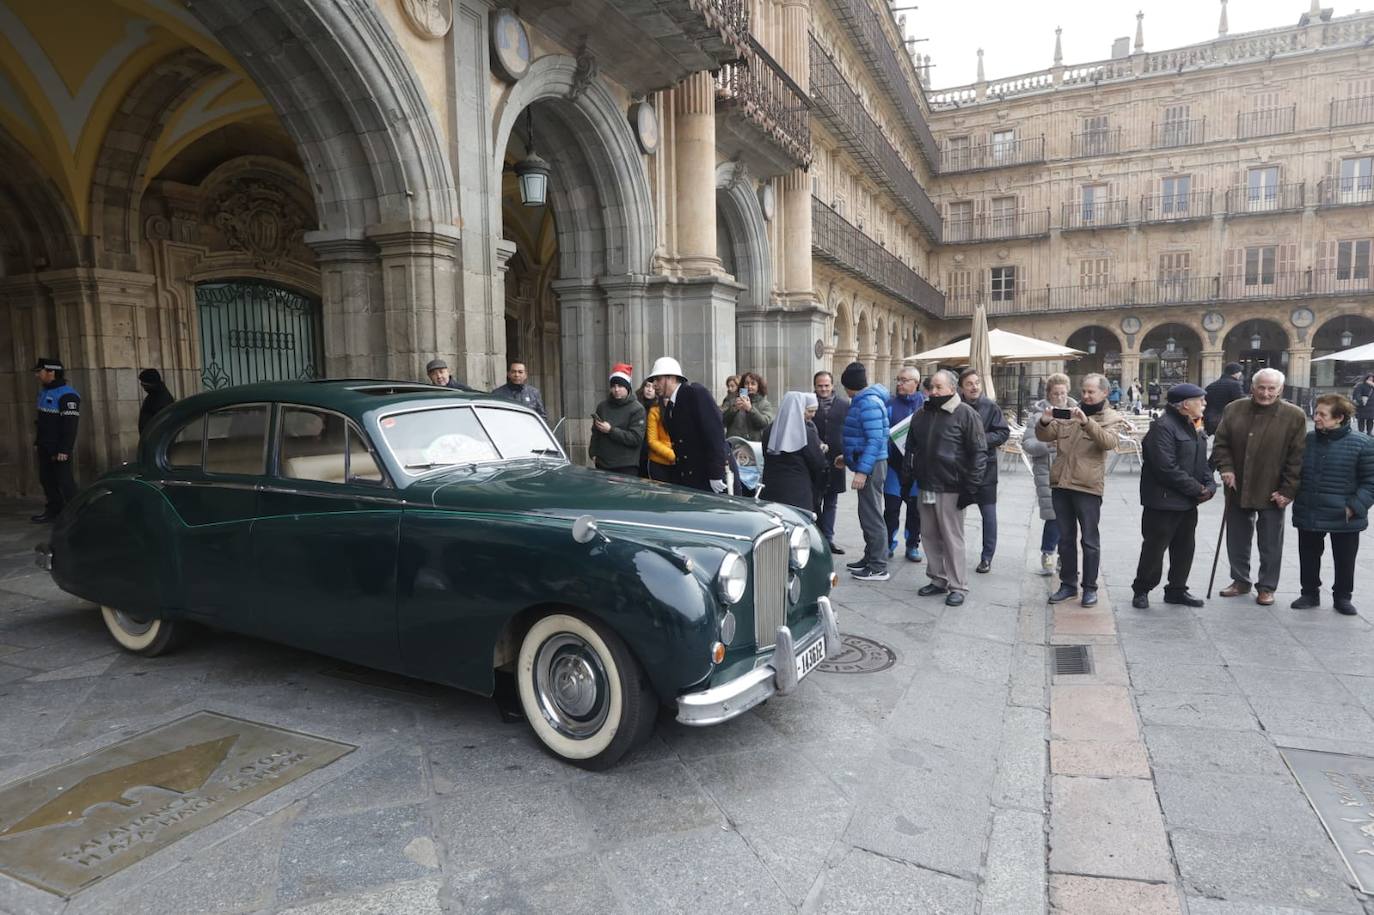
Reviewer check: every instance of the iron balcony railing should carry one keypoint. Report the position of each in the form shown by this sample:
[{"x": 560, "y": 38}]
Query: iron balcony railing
[
  {"x": 1102, "y": 142},
  {"x": 761, "y": 90},
  {"x": 1002, "y": 154},
  {"x": 1176, "y": 207},
  {"x": 997, "y": 227},
  {"x": 1348, "y": 112},
  {"x": 1353, "y": 279},
  {"x": 1178, "y": 133},
  {"x": 1352, "y": 191},
  {"x": 1266, "y": 123},
  {"x": 1099, "y": 214},
  {"x": 1266, "y": 198},
  {"x": 836, "y": 242},
  {"x": 860, "y": 20},
  {"x": 846, "y": 116}
]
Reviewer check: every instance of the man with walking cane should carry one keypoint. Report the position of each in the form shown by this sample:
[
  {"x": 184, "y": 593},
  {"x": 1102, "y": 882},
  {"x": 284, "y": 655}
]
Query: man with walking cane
[
  {"x": 1174, "y": 480},
  {"x": 1258, "y": 450}
]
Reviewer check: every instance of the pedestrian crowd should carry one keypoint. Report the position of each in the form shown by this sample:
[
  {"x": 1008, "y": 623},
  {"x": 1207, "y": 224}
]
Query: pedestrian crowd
[{"x": 929, "y": 450}]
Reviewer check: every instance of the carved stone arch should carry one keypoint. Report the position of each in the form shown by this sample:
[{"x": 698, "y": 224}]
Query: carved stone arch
[
  {"x": 737, "y": 205},
  {"x": 120, "y": 175},
  {"x": 38, "y": 229},
  {"x": 844, "y": 325},
  {"x": 1150, "y": 326},
  {"x": 863, "y": 332},
  {"x": 344, "y": 89},
  {"x": 599, "y": 185}
]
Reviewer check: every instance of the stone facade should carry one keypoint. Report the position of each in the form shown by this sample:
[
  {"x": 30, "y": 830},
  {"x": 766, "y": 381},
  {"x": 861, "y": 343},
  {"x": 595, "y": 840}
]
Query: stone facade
[{"x": 1217, "y": 195}]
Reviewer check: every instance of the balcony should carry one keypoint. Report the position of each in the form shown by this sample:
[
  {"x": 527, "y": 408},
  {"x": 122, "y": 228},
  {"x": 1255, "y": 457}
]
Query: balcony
[
  {"x": 762, "y": 115},
  {"x": 1354, "y": 191},
  {"x": 1176, "y": 207},
  {"x": 847, "y": 118},
  {"x": 1006, "y": 154},
  {"x": 840, "y": 244},
  {"x": 1266, "y": 123},
  {"x": 1258, "y": 200},
  {"x": 860, "y": 20},
  {"x": 1351, "y": 111},
  {"x": 1095, "y": 143},
  {"x": 1099, "y": 214},
  {"x": 997, "y": 227},
  {"x": 646, "y": 45},
  {"x": 1172, "y": 134}
]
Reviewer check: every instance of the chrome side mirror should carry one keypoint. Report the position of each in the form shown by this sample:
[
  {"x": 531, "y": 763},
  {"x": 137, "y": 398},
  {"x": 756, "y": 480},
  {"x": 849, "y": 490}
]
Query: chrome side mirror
[{"x": 584, "y": 530}]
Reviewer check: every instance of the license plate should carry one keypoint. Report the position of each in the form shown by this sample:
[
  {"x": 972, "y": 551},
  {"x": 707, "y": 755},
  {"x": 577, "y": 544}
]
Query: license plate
[{"x": 810, "y": 657}]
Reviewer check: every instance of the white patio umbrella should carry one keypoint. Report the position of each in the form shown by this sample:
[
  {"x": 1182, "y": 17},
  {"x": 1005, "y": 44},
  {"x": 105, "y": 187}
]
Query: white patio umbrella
[
  {"x": 1003, "y": 347},
  {"x": 1358, "y": 354}
]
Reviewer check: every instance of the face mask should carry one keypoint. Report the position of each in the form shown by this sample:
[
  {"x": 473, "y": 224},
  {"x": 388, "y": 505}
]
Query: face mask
[
  {"x": 1092, "y": 409},
  {"x": 939, "y": 401}
]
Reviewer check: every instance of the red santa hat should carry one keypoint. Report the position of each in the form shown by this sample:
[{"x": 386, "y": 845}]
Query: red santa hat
[{"x": 622, "y": 371}]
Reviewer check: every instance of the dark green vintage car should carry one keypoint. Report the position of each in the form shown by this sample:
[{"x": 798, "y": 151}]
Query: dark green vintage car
[{"x": 445, "y": 536}]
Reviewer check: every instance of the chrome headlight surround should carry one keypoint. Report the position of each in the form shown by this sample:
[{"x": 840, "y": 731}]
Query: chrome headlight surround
[
  {"x": 733, "y": 578},
  {"x": 799, "y": 546}
]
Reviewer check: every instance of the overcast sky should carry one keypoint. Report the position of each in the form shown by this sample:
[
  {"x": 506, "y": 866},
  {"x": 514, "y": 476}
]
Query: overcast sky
[{"x": 1017, "y": 36}]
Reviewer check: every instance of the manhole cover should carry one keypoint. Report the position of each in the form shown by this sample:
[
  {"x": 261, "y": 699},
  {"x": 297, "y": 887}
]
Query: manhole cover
[
  {"x": 859, "y": 655},
  {"x": 1072, "y": 659}
]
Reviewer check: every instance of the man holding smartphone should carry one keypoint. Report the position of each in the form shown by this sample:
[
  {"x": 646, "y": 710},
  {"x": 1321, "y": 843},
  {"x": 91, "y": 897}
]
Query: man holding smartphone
[{"x": 1082, "y": 436}]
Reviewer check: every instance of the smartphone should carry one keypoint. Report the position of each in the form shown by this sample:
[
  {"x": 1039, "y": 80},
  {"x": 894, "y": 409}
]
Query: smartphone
[{"x": 1061, "y": 413}]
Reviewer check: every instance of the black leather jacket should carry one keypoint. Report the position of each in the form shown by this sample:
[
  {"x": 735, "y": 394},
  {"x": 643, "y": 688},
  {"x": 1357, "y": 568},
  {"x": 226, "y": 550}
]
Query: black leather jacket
[
  {"x": 946, "y": 450},
  {"x": 1175, "y": 471}
]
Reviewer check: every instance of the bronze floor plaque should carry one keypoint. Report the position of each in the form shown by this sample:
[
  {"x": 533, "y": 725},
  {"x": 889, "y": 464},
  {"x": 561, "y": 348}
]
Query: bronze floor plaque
[
  {"x": 69, "y": 826},
  {"x": 1341, "y": 790}
]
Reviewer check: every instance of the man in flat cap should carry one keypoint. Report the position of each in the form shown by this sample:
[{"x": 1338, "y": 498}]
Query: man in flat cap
[
  {"x": 1174, "y": 480},
  {"x": 439, "y": 375},
  {"x": 59, "y": 411}
]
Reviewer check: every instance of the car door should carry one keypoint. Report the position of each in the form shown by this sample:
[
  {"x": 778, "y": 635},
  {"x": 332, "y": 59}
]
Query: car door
[
  {"x": 211, "y": 470},
  {"x": 324, "y": 543}
]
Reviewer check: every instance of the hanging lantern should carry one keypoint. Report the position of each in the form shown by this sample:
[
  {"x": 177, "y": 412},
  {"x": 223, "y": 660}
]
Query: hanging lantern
[
  {"x": 1092, "y": 346},
  {"x": 1256, "y": 341},
  {"x": 1347, "y": 338},
  {"x": 1171, "y": 344},
  {"x": 532, "y": 171}
]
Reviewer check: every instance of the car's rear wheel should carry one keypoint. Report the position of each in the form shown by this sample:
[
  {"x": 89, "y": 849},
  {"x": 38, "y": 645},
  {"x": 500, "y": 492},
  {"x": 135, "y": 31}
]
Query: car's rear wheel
[
  {"x": 149, "y": 637},
  {"x": 583, "y": 693}
]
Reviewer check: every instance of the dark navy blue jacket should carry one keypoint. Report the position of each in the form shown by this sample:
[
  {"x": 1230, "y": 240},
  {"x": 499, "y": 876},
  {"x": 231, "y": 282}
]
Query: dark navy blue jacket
[
  {"x": 59, "y": 410},
  {"x": 1337, "y": 473}
]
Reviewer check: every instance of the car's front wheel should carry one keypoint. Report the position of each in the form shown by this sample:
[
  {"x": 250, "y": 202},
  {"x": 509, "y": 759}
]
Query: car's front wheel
[
  {"x": 149, "y": 637},
  {"x": 582, "y": 691}
]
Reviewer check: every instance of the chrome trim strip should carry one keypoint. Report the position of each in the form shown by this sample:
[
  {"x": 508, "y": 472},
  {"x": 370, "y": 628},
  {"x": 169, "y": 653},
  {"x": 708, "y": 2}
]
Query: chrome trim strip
[
  {"x": 336, "y": 496},
  {"x": 677, "y": 530},
  {"x": 208, "y": 484}
]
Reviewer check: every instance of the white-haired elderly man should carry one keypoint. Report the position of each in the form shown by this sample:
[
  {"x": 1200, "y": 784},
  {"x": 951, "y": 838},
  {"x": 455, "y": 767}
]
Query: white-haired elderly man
[{"x": 1258, "y": 450}]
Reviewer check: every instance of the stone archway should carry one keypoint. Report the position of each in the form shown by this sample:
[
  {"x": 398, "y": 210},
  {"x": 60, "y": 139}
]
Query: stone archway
[
  {"x": 1170, "y": 353},
  {"x": 1257, "y": 343},
  {"x": 843, "y": 338},
  {"x": 742, "y": 246},
  {"x": 1342, "y": 332},
  {"x": 1103, "y": 355}
]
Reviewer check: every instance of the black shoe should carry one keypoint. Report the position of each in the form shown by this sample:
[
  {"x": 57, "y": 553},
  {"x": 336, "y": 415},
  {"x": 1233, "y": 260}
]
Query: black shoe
[
  {"x": 1090, "y": 597},
  {"x": 856, "y": 564},
  {"x": 43, "y": 518},
  {"x": 984, "y": 566},
  {"x": 870, "y": 575},
  {"x": 1344, "y": 606},
  {"x": 954, "y": 599},
  {"x": 1183, "y": 599},
  {"x": 1142, "y": 601},
  {"x": 1064, "y": 593},
  {"x": 837, "y": 550},
  {"x": 931, "y": 589},
  {"x": 1306, "y": 602}
]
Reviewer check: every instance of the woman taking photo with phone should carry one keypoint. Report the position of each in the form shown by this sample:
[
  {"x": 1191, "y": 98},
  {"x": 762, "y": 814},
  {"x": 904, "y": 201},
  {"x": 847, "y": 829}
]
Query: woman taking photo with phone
[{"x": 750, "y": 412}]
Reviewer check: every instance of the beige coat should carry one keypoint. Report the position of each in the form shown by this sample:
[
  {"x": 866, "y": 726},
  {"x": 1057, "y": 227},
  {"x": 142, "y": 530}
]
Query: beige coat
[{"x": 1080, "y": 460}]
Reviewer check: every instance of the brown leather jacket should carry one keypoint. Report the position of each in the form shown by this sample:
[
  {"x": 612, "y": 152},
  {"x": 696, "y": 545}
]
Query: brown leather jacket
[{"x": 1081, "y": 449}]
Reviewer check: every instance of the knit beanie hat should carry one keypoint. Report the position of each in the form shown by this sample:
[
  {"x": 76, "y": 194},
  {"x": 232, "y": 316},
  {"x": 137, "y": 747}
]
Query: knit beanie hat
[
  {"x": 622, "y": 372},
  {"x": 854, "y": 377}
]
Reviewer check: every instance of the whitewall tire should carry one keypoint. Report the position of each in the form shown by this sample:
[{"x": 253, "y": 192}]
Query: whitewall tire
[
  {"x": 145, "y": 637},
  {"x": 582, "y": 691}
]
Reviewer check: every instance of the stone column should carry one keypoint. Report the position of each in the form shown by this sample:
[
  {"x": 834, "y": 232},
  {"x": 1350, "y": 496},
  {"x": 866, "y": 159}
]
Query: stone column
[
  {"x": 581, "y": 308},
  {"x": 802, "y": 329},
  {"x": 1130, "y": 369},
  {"x": 1211, "y": 365},
  {"x": 1299, "y": 369},
  {"x": 26, "y": 316},
  {"x": 419, "y": 269},
  {"x": 351, "y": 305},
  {"x": 695, "y": 108}
]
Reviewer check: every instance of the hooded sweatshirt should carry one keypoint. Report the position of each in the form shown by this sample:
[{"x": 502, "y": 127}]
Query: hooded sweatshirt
[{"x": 158, "y": 396}]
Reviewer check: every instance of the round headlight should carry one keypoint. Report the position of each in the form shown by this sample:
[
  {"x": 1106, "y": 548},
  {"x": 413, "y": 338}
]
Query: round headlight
[
  {"x": 732, "y": 577},
  {"x": 800, "y": 544}
]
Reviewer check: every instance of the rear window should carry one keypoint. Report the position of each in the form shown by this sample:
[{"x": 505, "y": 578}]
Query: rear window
[
  {"x": 236, "y": 440},
  {"x": 185, "y": 449}
]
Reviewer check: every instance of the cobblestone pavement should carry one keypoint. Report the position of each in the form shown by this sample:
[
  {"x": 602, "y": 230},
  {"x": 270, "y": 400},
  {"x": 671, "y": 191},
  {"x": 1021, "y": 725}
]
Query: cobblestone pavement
[{"x": 964, "y": 778}]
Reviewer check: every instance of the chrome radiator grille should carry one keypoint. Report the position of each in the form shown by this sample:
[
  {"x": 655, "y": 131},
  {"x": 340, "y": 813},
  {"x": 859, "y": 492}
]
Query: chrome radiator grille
[{"x": 770, "y": 587}]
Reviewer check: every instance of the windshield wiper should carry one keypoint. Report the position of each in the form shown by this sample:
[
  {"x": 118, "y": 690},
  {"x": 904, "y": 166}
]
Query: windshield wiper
[
  {"x": 431, "y": 465},
  {"x": 546, "y": 451}
]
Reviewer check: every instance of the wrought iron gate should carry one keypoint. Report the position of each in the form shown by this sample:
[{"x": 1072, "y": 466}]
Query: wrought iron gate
[{"x": 255, "y": 331}]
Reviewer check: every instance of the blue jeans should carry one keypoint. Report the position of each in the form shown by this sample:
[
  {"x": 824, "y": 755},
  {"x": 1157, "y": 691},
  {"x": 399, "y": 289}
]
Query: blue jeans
[
  {"x": 989, "y": 512},
  {"x": 1049, "y": 537}
]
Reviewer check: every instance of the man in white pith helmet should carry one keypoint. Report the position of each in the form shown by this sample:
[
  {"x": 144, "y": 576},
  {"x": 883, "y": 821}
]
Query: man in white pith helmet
[{"x": 694, "y": 422}]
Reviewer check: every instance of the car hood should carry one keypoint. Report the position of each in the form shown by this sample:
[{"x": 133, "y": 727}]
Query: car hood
[{"x": 560, "y": 490}]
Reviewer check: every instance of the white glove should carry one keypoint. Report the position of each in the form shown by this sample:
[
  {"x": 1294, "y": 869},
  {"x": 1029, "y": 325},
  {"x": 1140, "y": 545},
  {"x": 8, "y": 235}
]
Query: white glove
[{"x": 718, "y": 486}]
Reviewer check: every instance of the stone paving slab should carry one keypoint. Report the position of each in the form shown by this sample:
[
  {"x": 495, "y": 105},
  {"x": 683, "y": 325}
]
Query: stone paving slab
[
  {"x": 1075, "y": 895},
  {"x": 1108, "y": 827}
]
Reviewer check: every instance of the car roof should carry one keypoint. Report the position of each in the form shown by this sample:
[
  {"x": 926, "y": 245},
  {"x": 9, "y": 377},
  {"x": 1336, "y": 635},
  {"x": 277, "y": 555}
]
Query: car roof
[{"x": 351, "y": 396}]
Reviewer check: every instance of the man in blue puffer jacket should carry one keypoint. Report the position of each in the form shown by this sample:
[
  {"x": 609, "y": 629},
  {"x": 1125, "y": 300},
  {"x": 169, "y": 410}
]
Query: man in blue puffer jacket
[{"x": 865, "y": 454}]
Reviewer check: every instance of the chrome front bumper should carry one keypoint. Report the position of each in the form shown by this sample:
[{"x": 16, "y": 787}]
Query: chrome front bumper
[{"x": 778, "y": 676}]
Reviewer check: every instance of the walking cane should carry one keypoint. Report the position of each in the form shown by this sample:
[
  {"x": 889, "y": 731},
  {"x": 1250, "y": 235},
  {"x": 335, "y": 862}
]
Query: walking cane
[{"x": 1220, "y": 537}]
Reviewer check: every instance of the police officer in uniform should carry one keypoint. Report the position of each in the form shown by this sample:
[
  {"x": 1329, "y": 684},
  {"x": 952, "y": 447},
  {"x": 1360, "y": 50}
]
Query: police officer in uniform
[{"x": 59, "y": 410}]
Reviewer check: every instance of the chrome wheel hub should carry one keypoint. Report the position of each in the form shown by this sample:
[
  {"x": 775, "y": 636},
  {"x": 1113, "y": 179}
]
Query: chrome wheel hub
[
  {"x": 131, "y": 625},
  {"x": 572, "y": 686}
]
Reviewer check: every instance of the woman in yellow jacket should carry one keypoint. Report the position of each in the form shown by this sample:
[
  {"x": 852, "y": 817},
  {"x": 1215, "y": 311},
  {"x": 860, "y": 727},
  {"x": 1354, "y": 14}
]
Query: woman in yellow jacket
[{"x": 657, "y": 442}]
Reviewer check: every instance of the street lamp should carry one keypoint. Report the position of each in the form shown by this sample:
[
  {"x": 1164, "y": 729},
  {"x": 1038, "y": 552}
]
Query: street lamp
[
  {"x": 1347, "y": 338},
  {"x": 1170, "y": 345},
  {"x": 1256, "y": 341},
  {"x": 1092, "y": 346},
  {"x": 532, "y": 171}
]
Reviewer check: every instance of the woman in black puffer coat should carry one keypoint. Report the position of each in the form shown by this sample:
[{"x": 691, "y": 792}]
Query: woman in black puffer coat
[{"x": 1334, "y": 498}]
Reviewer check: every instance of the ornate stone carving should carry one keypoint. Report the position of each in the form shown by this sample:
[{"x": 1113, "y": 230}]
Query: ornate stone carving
[
  {"x": 585, "y": 73},
  {"x": 429, "y": 18},
  {"x": 157, "y": 228},
  {"x": 258, "y": 219}
]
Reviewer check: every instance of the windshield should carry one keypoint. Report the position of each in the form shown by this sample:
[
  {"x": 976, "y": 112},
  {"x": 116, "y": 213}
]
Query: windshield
[{"x": 424, "y": 440}]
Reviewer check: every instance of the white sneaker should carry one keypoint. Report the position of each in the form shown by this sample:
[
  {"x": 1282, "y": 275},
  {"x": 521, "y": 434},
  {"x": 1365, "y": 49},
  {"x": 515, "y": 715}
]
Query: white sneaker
[{"x": 1048, "y": 562}]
